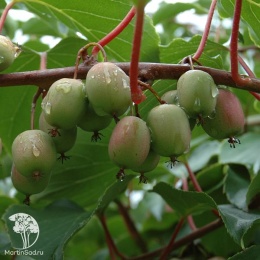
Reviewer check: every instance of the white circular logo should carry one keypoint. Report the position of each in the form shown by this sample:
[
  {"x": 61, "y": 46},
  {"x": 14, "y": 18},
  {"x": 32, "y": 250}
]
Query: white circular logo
[{"x": 26, "y": 227}]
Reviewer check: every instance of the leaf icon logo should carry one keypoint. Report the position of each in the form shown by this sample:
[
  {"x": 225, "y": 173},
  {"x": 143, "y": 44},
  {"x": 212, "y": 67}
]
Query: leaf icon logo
[{"x": 27, "y": 227}]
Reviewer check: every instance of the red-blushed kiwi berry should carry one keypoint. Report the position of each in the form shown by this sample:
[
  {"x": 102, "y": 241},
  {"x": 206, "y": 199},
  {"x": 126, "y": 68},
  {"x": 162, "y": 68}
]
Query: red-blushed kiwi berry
[
  {"x": 34, "y": 153},
  {"x": 108, "y": 89},
  {"x": 64, "y": 103},
  {"x": 8, "y": 52},
  {"x": 170, "y": 130},
  {"x": 229, "y": 119},
  {"x": 197, "y": 93},
  {"x": 171, "y": 97},
  {"x": 29, "y": 185},
  {"x": 64, "y": 139},
  {"x": 129, "y": 144},
  {"x": 148, "y": 165},
  {"x": 91, "y": 122}
]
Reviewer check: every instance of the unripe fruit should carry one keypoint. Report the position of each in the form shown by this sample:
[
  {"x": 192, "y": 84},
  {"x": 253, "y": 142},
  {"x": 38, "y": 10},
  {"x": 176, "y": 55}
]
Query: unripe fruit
[
  {"x": 149, "y": 164},
  {"x": 171, "y": 97},
  {"x": 129, "y": 143},
  {"x": 64, "y": 140},
  {"x": 170, "y": 130},
  {"x": 34, "y": 153},
  {"x": 197, "y": 93},
  {"x": 8, "y": 52},
  {"x": 229, "y": 119},
  {"x": 64, "y": 103},
  {"x": 107, "y": 88},
  {"x": 91, "y": 122},
  {"x": 29, "y": 185}
]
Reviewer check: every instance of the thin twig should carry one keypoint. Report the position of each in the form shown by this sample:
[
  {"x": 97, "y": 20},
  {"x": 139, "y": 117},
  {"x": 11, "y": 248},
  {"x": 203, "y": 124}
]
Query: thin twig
[
  {"x": 116, "y": 31},
  {"x": 4, "y": 14},
  {"x": 131, "y": 227},
  {"x": 205, "y": 35},
  {"x": 169, "y": 247},
  {"x": 234, "y": 46}
]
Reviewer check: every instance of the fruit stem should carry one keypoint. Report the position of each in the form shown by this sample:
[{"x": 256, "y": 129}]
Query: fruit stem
[
  {"x": 43, "y": 66},
  {"x": 205, "y": 35},
  {"x": 136, "y": 92},
  {"x": 4, "y": 14},
  {"x": 131, "y": 227},
  {"x": 147, "y": 86},
  {"x": 116, "y": 31},
  {"x": 83, "y": 54},
  {"x": 250, "y": 74},
  {"x": 165, "y": 253},
  {"x": 111, "y": 245},
  {"x": 192, "y": 177},
  {"x": 189, "y": 218},
  {"x": 234, "y": 47}
]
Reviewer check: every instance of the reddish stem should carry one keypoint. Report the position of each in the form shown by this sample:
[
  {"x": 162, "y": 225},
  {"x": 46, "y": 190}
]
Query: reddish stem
[
  {"x": 250, "y": 74},
  {"x": 168, "y": 248},
  {"x": 136, "y": 92},
  {"x": 4, "y": 15},
  {"x": 131, "y": 227},
  {"x": 193, "y": 177},
  {"x": 111, "y": 245},
  {"x": 116, "y": 31},
  {"x": 234, "y": 46},
  {"x": 189, "y": 218},
  {"x": 205, "y": 35}
]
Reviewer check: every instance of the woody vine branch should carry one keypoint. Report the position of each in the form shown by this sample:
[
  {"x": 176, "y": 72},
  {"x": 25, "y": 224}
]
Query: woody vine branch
[{"x": 147, "y": 71}]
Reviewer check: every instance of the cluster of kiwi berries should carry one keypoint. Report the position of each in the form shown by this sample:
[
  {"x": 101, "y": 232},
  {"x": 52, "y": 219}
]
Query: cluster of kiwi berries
[{"x": 134, "y": 143}]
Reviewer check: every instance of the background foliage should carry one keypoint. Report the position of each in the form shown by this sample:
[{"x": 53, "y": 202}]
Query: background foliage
[{"x": 85, "y": 186}]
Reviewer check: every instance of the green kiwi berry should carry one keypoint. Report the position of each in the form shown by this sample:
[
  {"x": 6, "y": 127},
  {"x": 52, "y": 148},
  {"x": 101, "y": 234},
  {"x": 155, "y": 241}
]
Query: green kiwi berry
[
  {"x": 170, "y": 130},
  {"x": 108, "y": 89},
  {"x": 228, "y": 120},
  {"x": 34, "y": 153},
  {"x": 64, "y": 103},
  {"x": 29, "y": 185},
  {"x": 197, "y": 93},
  {"x": 64, "y": 139},
  {"x": 8, "y": 52},
  {"x": 129, "y": 143}
]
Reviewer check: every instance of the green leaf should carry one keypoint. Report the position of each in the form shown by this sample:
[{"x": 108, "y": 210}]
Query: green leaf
[
  {"x": 178, "y": 49},
  {"x": 57, "y": 224},
  {"x": 236, "y": 186},
  {"x": 246, "y": 153},
  {"x": 249, "y": 253},
  {"x": 237, "y": 222},
  {"x": 184, "y": 202},
  {"x": 168, "y": 11},
  {"x": 252, "y": 196},
  {"x": 250, "y": 15},
  {"x": 112, "y": 192},
  {"x": 95, "y": 20}
]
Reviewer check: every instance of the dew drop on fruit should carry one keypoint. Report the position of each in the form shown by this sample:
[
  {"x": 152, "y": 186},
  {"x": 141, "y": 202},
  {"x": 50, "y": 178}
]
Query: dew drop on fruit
[
  {"x": 115, "y": 72},
  {"x": 196, "y": 104},
  {"x": 107, "y": 75},
  {"x": 47, "y": 108},
  {"x": 2, "y": 59},
  {"x": 64, "y": 86},
  {"x": 214, "y": 91},
  {"x": 36, "y": 151},
  {"x": 92, "y": 76},
  {"x": 125, "y": 85}
]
